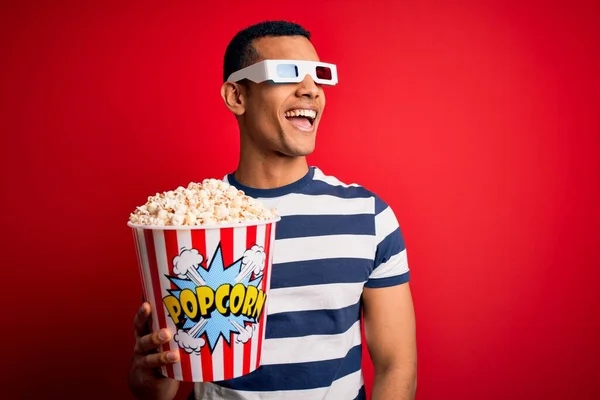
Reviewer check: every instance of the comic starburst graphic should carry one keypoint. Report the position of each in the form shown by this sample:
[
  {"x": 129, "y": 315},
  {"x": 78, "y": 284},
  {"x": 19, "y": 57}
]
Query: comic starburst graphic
[{"x": 215, "y": 325}]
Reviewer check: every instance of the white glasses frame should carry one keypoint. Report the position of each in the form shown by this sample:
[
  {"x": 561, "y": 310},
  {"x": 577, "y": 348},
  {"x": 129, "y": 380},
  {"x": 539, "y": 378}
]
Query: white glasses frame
[{"x": 267, "y": 70}]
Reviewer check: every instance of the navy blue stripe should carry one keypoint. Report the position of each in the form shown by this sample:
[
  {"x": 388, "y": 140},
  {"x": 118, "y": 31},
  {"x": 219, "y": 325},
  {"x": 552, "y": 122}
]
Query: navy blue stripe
[
  {"x": 351, "y": 363},
  {"x": 387, "y": 282},
  {"x": 314, "y": 322},
  {"x": 321, "y": 272},
  {"x": 295, "y": 226},
  {"x": 389, "y": 247},
  {"x": 362, "y": 394},
  {"x": 380, "y": 205},
  {"x": 350, "y": 192},
  {"x": 297, "y": 376}
]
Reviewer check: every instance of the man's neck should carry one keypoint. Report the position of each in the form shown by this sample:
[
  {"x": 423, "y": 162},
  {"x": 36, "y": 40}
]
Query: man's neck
[{"x": 270, "y": 173}]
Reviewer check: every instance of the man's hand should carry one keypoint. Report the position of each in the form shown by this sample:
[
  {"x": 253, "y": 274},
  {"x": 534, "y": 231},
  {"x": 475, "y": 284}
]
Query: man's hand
[{"x": 145, "y": 379}]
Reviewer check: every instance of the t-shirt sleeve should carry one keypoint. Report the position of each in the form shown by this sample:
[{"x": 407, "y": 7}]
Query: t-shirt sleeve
[{"x": 390, "y": 263}]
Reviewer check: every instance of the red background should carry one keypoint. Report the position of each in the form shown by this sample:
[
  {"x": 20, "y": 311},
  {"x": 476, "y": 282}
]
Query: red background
[{"x": 477, "y": 121}]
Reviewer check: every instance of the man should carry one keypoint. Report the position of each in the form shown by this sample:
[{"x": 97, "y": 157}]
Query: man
[{"x": 338, "y": 250}]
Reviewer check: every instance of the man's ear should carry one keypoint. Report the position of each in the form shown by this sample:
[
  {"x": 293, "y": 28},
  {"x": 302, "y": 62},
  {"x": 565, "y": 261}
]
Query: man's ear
[{"x": 234, "y": 96}]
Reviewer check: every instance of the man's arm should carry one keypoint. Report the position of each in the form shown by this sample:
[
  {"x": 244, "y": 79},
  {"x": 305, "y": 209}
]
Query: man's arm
[{"x": 390, "y": 333}]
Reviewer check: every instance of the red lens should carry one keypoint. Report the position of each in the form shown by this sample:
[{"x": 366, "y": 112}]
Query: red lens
[{"x": 324, "y": 73}]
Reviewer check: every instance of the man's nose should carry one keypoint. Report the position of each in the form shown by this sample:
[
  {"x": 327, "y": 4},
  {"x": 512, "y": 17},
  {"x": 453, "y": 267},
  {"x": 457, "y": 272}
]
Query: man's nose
[{"x": 308, "y": 88}]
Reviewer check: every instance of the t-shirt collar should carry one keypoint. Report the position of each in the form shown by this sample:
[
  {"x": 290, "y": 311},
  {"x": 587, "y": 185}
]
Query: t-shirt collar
[{"x": 276, "y": 192}]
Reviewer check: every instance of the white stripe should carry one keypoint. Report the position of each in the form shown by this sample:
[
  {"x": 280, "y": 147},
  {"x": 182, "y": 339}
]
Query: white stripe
[
  {"x": 148, "y": 284},
  {"x": 396, "y": 265},
  {"x": 138, "y": 253},
  {"x": 254, "y": 348},
  {"x": 260, "y": 240},
  {"x": 212, "y": 239},
  {"x": 302, "y": 204},
  {"x": 324, "y": 247},
  {"x": 148, "y": 287},
  {"x": 385, "y": 223},
  {"x": 270, "y": 260},
  {"x": 260, "y": 235},
  {"x": 218, "y": 361},
  {"x": 147, "y": 276},
  {"x": 311, "y": 348},
  {"x": 184, "y": 239},
  {"x": 239, "y": 242},
  {"x": 345, "y": 388},
  {"x": 163, "y": 270},
  {"x": 315, "y": 297},
  {"x": 320, "y": 176},
  {"x": 239, "y": 247}
]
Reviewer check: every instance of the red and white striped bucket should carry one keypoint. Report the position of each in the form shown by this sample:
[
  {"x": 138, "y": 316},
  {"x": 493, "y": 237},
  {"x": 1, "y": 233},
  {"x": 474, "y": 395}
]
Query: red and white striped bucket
[{"x": 210, "y": 287}]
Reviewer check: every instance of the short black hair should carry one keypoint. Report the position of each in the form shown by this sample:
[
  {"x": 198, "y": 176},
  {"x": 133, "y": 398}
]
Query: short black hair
[{"x": 240, "y": 53}]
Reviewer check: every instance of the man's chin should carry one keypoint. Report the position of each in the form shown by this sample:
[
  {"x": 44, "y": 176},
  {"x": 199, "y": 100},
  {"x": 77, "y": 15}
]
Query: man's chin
[{"x": 297, "y": 152}]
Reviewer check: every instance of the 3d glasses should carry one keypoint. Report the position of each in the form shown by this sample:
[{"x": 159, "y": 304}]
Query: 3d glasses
[{"x": 287, "y": 71}]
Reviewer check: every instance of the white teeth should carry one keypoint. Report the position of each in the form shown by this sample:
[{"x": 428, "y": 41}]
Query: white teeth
[{"x": 305, "y": 113}]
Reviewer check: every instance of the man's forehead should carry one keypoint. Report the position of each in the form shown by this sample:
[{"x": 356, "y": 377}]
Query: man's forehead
[{"x": 285, "y": 48}]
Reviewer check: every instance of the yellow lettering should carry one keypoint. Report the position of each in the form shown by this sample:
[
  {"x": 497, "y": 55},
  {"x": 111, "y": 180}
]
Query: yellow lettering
[
  {"x": 260, "y": 303},
  {"x": 173, "y": 308},
  {"x": 206, "y": 300},
  {"x": 251, "y": 295},
  {"x": 189, "y": 303},
  {"x": 236, "y": 300},
  {"x": 221, "y": 297}
]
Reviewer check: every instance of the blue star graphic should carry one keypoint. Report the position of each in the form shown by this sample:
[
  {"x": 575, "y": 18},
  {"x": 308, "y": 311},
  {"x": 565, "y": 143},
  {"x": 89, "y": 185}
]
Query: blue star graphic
[{"x": 217, "y": 274}]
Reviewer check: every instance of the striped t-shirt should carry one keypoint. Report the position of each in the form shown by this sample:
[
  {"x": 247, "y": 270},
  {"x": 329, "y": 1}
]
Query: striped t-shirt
[{"x": 332, "y": 241}]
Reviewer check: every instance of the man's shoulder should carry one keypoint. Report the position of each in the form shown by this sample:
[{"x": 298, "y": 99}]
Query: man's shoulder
[{"x": 329, "y": 182}]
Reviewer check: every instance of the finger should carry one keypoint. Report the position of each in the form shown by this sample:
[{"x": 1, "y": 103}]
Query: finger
[
  {"x": 159, "y": 359},
  {"x": 140, "y": 320},
  {"x": 150, "y": 342}
]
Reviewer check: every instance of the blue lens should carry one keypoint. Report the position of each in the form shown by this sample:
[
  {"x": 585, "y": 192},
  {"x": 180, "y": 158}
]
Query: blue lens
[{"x": 287, "y": 71}]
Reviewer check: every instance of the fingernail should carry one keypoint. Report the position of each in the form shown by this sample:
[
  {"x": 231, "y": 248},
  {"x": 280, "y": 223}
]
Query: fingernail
[
  {"x": 162, "y": 335},
  {"x": 171, "y": 356}
]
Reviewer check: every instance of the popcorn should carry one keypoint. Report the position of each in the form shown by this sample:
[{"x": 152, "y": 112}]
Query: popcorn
[{"x": 212, "y": 202}]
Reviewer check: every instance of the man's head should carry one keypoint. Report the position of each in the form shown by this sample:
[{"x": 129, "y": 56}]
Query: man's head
[{"x": 266, "y": 111}]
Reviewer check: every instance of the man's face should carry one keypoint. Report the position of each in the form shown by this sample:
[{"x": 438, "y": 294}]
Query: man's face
[{"x": 268, "y": 117}]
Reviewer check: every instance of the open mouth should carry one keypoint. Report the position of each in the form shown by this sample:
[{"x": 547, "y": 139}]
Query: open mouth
[{"x": 302, "y": 119}]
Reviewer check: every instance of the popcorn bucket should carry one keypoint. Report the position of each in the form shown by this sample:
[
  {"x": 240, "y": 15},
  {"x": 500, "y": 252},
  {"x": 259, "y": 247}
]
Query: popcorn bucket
[{"x": 209, "y": 285}]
